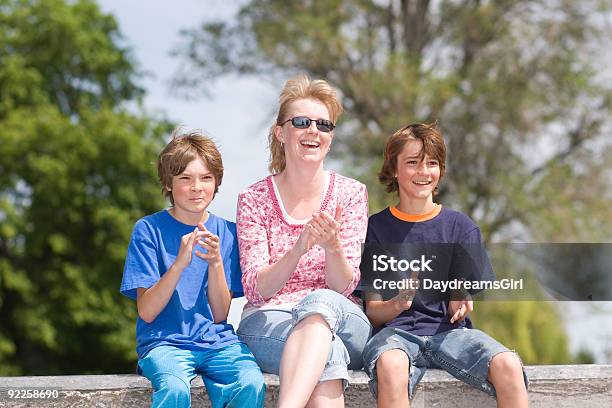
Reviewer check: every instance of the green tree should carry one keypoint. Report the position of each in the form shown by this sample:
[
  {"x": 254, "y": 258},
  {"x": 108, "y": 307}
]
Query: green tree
[
  {"x": 531, "y": 328},
  {"x": 517, "y": 87},
  {"x": 76, "y": 171}
]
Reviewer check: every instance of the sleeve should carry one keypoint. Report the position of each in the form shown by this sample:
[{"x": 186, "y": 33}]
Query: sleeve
[
  {"x": 470, "y": 259},
  {"x": 231, "y": 261},
  {"x": 253, "y": 245},
  {"x": 141, "y": 268},
  {"x": 354, "y": 219},
  {"x": 365, "y": 265}
]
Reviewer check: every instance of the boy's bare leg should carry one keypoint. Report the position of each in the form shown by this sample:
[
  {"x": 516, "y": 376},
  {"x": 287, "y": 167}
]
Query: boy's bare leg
[
  {"x": 327, "y": 394},
  {"x": 392, "y": 373},
  {"x": 506, "y": 374},
  {"x": 303, "y": 361}
]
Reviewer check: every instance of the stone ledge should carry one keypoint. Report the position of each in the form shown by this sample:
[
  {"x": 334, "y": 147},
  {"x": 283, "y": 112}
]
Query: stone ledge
[{"x": 550, "y": 386}]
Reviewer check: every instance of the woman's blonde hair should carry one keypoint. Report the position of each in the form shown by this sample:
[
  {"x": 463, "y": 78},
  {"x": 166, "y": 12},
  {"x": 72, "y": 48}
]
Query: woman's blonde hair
[{"x": 296, "y": 88}]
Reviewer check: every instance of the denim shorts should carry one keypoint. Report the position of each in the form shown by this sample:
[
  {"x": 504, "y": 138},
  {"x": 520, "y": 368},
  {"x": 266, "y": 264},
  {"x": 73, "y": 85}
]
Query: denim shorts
[
  {"x": 463, "y": 353},
  {"x": 266, "y": 331}
]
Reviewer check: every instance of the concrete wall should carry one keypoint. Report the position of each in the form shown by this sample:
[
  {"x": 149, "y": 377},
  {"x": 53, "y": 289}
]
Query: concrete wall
[{"x": 550, "y": 386}]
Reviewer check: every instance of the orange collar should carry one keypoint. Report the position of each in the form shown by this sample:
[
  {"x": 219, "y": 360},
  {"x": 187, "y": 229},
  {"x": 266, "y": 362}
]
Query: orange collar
[{"x": 416, "y": 217}]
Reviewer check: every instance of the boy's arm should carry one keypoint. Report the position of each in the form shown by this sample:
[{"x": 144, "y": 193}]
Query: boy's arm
[
  {"x": 470, "y": 262},
  {"x": 151, "y": 301},
  {"x": 383, "y": 311},
  {"x": 219, "y": 296}
]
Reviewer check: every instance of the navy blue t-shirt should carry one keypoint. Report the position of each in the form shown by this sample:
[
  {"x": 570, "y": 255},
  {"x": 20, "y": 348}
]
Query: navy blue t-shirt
[
  {"x": 451, "y": 235},
  {"x": 187, "y": 320}
]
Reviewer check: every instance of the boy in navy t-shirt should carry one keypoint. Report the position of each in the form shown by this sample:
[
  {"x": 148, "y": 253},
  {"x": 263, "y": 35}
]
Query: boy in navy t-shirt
[
  {"x": 182, "y": 268},
  {"x": 421, "y": 328}
]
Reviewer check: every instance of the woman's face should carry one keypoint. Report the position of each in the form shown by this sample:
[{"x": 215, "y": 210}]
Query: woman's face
[{"x": 308, "y": 145}]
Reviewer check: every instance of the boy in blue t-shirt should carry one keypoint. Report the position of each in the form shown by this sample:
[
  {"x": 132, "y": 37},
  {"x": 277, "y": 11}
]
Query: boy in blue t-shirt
[
  {"x": 419, "y": 328},
  {"x": 182, "y": 268}
]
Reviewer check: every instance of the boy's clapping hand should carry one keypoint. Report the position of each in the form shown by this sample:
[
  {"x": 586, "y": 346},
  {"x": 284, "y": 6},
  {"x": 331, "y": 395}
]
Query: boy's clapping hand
[
  {"x": 188, "y": 241},
  {"x": 210, "y": 242}
]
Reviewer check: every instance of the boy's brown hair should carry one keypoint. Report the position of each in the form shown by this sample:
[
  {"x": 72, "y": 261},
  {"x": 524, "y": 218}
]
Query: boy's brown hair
[
  {"x": 433, "y": 146},
  {"x": 182, "y": 150}
]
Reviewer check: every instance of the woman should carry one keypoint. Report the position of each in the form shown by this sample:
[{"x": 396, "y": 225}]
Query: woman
[{"x": 300, "y": 232}]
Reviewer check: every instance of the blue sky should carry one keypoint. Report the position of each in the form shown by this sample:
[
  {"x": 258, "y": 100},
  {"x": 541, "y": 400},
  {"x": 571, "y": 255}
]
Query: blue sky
[
  {"x": 238, "y": 117},
  {"x": 240, "y": 111}
]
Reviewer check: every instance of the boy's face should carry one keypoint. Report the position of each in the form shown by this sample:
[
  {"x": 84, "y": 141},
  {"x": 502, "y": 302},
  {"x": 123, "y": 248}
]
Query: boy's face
[
  {"x": 417, "y": 176},
  {"x": 193, "y": 190}
]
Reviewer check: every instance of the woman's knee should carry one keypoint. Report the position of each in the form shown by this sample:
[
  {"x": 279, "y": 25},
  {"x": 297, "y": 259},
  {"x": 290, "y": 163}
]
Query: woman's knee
[
  {"x": 325, "y": 296},
  {"x": 392, "y": 369},
  {"x": 322, "y": 305},
  {"x": 314, "y": 319}
]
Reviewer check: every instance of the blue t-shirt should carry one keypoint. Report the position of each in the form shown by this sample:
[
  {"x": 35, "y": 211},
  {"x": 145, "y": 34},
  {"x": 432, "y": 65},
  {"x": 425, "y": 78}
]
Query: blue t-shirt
[
  {"x": 187, "y": 320},
  {"x": 453, "y": 238}
]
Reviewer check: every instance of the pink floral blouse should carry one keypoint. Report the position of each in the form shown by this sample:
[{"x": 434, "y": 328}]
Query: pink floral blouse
[{"x": 265, "y": 235}]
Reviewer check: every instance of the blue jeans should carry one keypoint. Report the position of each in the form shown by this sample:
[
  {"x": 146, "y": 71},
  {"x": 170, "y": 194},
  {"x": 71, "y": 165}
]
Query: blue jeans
[
  {"x": 266, "y": 332},
  {"x": 464, "y": 353},
  {"x": 231, "y": 376}
]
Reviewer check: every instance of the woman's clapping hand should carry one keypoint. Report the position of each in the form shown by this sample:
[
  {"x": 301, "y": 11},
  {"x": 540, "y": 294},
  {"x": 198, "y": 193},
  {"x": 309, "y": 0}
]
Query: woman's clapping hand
[{"x": 322, "y": 230}]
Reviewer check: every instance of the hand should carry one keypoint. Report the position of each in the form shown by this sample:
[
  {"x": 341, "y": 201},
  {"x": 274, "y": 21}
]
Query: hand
[
  {"x": 210, "y": 242},
  {"x": 188, "y": 241},
  {"x": 326, "y": 230},
  {"x": 405, "y": 297},
  {"x": 460, "y": 309},
  {"x": 403, "y": 300},
  {"x": 323, "y": 230},
  {"x": 305, "y": 241}
]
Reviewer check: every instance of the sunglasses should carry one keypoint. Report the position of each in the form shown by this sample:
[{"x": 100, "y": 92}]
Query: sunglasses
[{"x": 302, "y": 122}]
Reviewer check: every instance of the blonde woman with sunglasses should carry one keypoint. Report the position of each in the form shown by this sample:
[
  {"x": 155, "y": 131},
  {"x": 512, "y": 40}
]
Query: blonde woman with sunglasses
[{"x": 300, "y": 232}]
